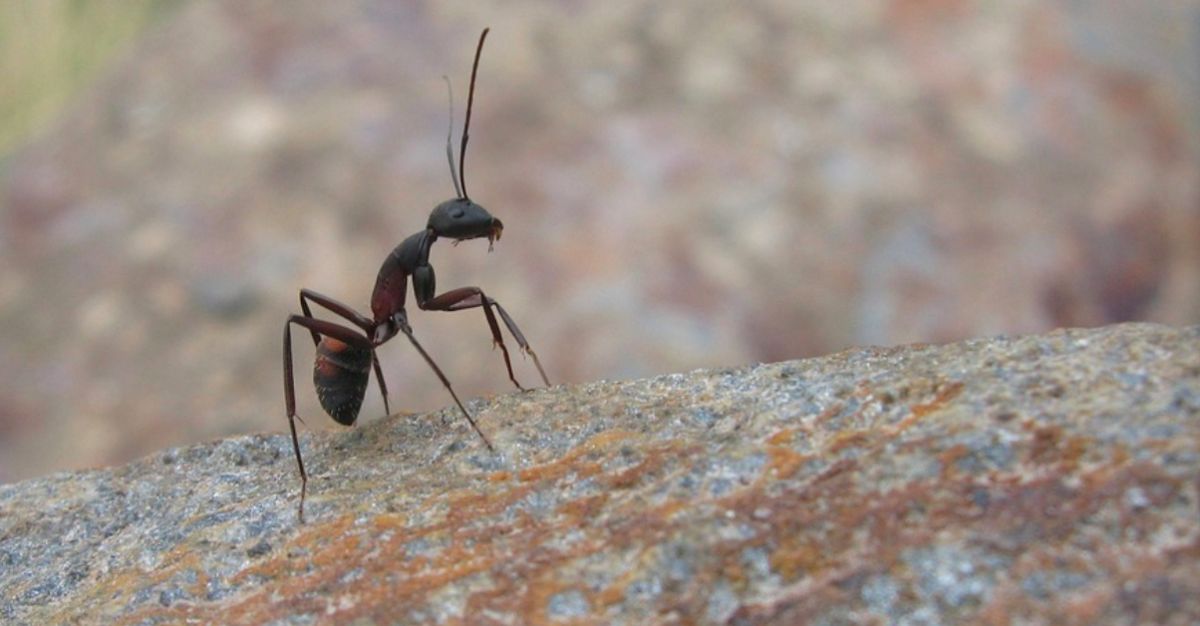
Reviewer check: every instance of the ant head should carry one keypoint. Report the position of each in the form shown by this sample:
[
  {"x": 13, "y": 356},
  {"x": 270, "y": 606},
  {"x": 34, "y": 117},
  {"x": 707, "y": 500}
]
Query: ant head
[{"x": 461, "y": 219}]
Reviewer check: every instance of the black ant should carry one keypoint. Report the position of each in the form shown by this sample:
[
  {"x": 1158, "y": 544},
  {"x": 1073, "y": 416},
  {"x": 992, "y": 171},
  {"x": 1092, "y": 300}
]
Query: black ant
[{"x": 346, "y": 355}]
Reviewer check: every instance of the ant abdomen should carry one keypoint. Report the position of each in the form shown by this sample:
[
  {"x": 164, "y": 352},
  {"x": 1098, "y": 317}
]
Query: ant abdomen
[{"x": 340, "y": 376}]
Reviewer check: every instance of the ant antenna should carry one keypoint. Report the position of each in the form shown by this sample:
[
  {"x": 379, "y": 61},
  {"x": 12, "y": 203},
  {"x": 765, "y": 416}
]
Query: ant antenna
[
  {"x": 449, "y": 134},
  {"x": 462, "y": 151}
]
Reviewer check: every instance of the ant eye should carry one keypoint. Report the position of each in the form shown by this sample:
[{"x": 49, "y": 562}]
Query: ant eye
[{"x": 456, "y": 213}]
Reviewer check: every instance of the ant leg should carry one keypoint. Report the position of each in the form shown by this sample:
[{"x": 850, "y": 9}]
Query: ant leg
[
  {"x": 337, "y": 308},
  {"x": 321, "y": 327},
  {"x": 354, "y": 317},
  {"x": 467, "y": 298},
  {"x": 404, "y": 327},
  {"x": 382, "y": 385},
  {"x": 289, "y": 399},
  {"x": 471, "y": 297},
  {"x": 516, "y": 333},
  {"x": 308, "y": 313}
]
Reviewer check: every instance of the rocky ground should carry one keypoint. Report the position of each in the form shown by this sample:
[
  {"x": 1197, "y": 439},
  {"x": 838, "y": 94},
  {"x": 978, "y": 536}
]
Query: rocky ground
[
  {"x": 1050, "y": 479},
  {"x": 684, "y": 184}
]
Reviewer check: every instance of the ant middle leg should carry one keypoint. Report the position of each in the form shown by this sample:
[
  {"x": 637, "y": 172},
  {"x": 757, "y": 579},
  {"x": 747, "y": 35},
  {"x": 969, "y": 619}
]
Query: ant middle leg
[{"x": 407, "y": 330}]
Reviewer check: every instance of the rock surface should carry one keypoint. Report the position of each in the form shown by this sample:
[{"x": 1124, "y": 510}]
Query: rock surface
[
  {"x": 1048, "y": 479},
  {"x": 664, "y": 173}
]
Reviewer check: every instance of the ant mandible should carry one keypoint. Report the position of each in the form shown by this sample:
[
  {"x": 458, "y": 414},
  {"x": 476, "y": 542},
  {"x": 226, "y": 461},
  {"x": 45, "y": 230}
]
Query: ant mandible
[{"x": 346, "y": 355}]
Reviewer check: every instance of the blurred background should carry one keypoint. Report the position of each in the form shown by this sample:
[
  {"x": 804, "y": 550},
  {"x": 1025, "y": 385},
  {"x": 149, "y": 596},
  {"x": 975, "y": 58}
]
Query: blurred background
[{"x": 683, "y": 184}]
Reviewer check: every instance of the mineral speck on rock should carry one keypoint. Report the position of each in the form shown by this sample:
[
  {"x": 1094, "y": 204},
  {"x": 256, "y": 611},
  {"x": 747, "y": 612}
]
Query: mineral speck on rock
[{"x": 1049, "y": 479}]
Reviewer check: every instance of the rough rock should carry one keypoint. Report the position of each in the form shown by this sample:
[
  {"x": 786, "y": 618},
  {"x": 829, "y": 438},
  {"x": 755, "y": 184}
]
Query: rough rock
[
  {"x": 1047, "y": 479},
  {"x": 664, "y": 173}
]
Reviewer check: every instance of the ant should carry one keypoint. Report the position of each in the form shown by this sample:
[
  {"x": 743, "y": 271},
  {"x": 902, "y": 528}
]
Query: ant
[{"x": 345, "y": 355}]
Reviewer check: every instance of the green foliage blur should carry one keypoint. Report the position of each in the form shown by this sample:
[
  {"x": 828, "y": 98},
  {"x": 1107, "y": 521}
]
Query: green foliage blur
[{"x": 50, "y": 49}]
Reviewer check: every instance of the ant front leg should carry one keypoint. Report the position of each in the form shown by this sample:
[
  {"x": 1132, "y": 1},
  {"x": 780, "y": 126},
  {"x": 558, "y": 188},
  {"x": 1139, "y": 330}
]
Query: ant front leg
[
  {"x": 354, "y": 317},
  {"x": 468, "y": 298},
  {"x": 318, "y": 327}
]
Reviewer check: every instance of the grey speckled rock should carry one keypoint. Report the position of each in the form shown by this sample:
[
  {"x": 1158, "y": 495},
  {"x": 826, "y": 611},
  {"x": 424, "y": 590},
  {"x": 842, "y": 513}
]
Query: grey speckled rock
[{"x": 1050, "y": 479}]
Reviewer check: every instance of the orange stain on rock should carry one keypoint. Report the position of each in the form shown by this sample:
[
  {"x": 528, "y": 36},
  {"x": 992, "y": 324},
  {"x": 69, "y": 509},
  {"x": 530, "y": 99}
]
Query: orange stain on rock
[
  {"x": 949, "y": 458},
  {"x": 631, "y": 477},
  {"x": 583, "y": 509},
  {"x": 389, "y": 521},
  {"x": 783, "y": 462},
  {"x": 945, "y": 393},
  {"x": 571, "y": 461},
  {"x": 850, "y": 439},
  {"x": 795, "y": 557},
  {"x": 782, "y": 438},
  {"x": 813, "y": 531}
]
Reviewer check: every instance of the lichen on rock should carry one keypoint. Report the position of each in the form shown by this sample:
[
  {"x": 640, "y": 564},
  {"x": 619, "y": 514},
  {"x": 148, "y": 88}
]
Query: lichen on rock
[{"x": 1044, "y": 479}]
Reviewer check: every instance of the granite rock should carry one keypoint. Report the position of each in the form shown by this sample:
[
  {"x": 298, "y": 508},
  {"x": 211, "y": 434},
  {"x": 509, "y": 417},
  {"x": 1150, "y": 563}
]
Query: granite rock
[
  {"x": 1049, "y": 479},
  {"x": 683, "y": 185}
]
